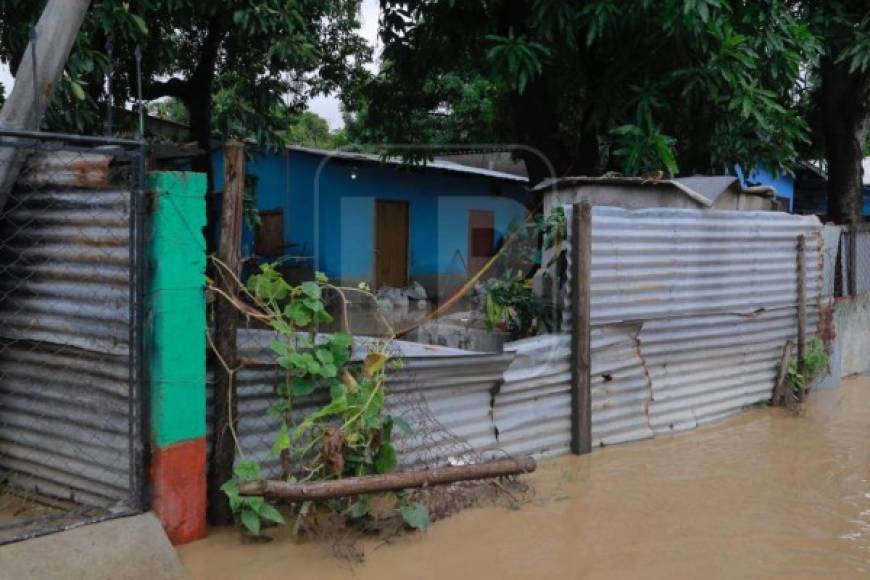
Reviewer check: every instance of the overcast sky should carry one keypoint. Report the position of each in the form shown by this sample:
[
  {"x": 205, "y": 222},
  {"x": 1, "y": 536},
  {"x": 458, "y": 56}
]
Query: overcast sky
[{"x": 326, "y": 107}]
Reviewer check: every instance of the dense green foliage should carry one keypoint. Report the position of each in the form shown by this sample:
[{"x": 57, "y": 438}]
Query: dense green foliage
[
  {"x": 241, "y": 68},
  {"x": 681, "y": 86},
  {"x": 800, "y": 373},
  {"x": 510, "y": 304},
  {"x": 688, "y": 85},
  {"x": 351, "y": 434}
]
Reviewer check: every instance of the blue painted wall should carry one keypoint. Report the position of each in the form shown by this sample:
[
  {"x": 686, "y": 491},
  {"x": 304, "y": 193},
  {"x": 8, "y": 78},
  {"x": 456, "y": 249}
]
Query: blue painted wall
[
  {"x": 784, "y": 184},
  {"x": 329, "y": 214}
]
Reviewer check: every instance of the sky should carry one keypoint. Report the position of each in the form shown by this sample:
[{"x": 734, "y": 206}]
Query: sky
[{"x": 327, "y": 107}]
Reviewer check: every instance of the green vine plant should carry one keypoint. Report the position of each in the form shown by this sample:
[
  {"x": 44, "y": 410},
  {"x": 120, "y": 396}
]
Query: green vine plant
[
  {"x": 800, "y": 373},
  {"x": 510, "y": 302},
  {"x": 351, "y": 434}
]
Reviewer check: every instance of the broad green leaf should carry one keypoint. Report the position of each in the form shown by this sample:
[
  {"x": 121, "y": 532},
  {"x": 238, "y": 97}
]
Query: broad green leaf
[
  {"x": 251, "y": 521},
  {"x": 256, "y": 503},
  {"x": 77, "y": 90},
  {"x": 303, "y": 386},
  {"x": 279, "y": 348},
  {"x": 282, "y": 441},
  {"x": 336, "y": 391},
  {"x": 248, "y": 471},
  {"x": 324, "y": 355},
  {"x": 416, "y": 516},
  {"x": 311, "y": 289},
  {"x": 279, "y": 408},
  {"x": 269, "y": 512},
  {"x": 140, "y": 23},
  {"x": 341, "y": 340},
  {"x": 297, "y": 313},
  {"x": 359, "y": 508},
  {"x": 385, "y": 460}
]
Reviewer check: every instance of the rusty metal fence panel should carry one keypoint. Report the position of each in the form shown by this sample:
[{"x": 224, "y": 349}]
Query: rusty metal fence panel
[{"x": 71, "y": 303}]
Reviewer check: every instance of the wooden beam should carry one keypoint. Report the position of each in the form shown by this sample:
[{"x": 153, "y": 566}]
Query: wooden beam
[
  {"x": 802, "y": 302},
  {"x": 226, "y": 319},
  {"x": 778, "y": 397},
  {"x": 854, "y": 230},
  {"x": 581, "y": 269},
  {"x": 323, "y": 490}
]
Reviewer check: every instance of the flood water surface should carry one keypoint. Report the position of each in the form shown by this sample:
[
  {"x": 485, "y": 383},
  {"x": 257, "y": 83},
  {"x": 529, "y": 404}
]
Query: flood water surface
[{"x": 763, "y": 495}]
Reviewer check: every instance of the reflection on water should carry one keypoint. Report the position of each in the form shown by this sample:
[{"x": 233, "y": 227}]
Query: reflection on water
[{"x": 764, "y": 495}]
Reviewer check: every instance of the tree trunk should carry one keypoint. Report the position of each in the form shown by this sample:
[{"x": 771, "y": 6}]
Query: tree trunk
[
  {"x": 351, "y": 486},
  {"x": 538, "y": 126},
  {"x": 199, "y": 106},
  {"x": 224, "y": 403},
  {"x": 846, "y": 118}
]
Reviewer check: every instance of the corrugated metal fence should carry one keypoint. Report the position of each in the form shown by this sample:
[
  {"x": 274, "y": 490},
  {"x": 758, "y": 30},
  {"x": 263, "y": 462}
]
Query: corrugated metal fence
[
  {"x": 690, "y": 311},
  {"x": 69, "y": 335},
  {"x": 445, "y": 393}
]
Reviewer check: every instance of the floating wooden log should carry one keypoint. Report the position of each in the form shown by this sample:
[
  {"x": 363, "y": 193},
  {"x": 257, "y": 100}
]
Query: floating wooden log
[{"x": 323, "y": 490}]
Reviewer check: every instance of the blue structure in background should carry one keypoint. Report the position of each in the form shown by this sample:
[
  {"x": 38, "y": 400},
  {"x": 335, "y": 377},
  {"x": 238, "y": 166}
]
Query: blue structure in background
[
  {"x": 784, "y": 184},
  {"x": 328, "y": 202}
]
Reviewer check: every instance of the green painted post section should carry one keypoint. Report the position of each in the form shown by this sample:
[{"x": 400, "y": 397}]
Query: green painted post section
[{"x": 177, "y": 307}]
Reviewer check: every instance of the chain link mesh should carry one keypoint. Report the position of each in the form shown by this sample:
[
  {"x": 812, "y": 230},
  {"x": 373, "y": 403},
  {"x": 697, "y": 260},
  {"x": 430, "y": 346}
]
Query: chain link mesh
[{"x": 70, "y": 306}]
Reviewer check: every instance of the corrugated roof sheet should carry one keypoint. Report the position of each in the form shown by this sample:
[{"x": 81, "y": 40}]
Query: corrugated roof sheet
[{"x": 437, "y": 164}]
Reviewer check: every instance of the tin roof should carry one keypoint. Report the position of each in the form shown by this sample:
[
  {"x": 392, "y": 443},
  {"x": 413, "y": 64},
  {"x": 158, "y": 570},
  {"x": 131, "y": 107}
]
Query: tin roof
[
  {"x": 437, "y": 164},
  {"x": 702, "y": 189}
]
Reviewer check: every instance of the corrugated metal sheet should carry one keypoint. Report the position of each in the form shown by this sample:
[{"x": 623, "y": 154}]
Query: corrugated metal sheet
[
  {"x": 533, "y": 406},
  {"x": 64, "y": 333},
  {"x": 445, "y": 392},
  {"x": 660, "y": 263},
  {"x": 714, "y": 297},
  {"x": 690, "y": 312}
]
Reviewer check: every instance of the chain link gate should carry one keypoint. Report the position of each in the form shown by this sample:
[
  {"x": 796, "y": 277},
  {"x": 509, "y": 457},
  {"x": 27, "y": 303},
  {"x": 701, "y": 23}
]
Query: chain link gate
[{"x": 72, "y": 375}]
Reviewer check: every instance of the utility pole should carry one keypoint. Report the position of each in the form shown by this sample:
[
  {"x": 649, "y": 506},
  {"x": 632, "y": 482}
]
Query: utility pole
[{"x": 39, "y": 71}]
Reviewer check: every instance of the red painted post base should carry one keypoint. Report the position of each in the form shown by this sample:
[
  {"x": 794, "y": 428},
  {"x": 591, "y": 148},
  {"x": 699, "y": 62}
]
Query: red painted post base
[{"x": 179, "y": 493}]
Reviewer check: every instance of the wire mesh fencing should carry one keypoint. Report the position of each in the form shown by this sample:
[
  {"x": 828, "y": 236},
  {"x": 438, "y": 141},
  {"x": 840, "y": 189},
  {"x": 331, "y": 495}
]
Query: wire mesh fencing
[
  {"x": 71, "y": 304},
  {"x": 855, "y": 263}
]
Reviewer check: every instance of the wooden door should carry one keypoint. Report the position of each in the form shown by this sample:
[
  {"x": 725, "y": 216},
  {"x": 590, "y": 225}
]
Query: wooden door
[
  {"x": 269, "y": 237},
  {"x": 481, "y": 238},
  {"x": 391, "y": 243}
]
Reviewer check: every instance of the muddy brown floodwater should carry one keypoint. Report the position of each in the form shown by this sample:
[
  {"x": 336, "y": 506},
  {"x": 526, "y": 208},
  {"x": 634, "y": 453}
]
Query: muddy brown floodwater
[{"x": 763, "y": 495}]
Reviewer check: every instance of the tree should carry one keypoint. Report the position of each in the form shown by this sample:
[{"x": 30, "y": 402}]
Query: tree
[
  {"x": 241, "y": 68},
  {"x": 681, "y": 85},
  {"x": 841, "y": 99},
  {"x": 311, "y": 130}
]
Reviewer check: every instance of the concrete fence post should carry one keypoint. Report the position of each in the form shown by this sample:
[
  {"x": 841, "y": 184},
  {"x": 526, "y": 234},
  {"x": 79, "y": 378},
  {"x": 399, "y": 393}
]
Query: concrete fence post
[{"x": 176, "y": 344}]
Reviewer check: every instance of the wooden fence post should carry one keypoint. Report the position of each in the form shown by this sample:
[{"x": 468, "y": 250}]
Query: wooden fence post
[
  {"x": 853, "y": 259},
  {"x": 581, "y": 266},
  {"x": 225, "y": 325},
  {"x": 802, "y": 302}
]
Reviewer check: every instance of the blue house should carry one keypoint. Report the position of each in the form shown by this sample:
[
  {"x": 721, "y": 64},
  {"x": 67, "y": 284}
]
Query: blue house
[
  {"x": 784, "y": 184},
  {"x": 358, "y": 218}
]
